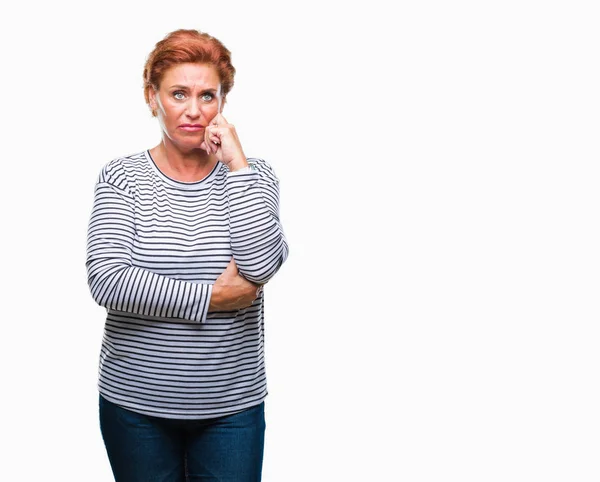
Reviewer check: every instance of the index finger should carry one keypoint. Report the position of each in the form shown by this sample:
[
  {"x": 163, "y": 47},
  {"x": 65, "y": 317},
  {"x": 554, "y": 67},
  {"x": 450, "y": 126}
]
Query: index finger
[
  {"x": 218, "y": 120},
  {"x": 219, "y": 99}
]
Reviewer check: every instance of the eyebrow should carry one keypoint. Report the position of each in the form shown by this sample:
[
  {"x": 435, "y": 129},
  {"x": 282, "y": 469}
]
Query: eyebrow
[{"x": 184, "y": 87}]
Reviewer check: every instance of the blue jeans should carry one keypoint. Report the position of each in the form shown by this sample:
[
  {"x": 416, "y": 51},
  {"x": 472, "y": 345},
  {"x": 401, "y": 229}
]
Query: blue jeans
[{"x": 142, "y": 448}]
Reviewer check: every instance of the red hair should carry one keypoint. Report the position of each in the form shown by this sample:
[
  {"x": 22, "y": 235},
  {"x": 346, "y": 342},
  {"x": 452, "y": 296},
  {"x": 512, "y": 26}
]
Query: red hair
[{"x": 187, "y": 46}]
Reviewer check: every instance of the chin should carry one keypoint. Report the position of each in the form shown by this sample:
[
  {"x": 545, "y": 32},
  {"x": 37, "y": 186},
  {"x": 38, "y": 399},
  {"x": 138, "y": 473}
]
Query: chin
[{"x": 188, "y": 144}]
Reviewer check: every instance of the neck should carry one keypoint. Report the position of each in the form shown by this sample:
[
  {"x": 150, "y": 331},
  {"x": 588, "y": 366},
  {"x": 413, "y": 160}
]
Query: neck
[{"x": 185, "y": 166}]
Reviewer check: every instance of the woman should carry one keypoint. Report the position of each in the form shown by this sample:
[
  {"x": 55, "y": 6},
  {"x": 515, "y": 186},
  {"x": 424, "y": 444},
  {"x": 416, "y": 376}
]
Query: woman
[{"x": 181, "y": 239}]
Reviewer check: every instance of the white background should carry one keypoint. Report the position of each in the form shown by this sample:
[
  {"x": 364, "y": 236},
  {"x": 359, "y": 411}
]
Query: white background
[{"x": 437, "y": 319}]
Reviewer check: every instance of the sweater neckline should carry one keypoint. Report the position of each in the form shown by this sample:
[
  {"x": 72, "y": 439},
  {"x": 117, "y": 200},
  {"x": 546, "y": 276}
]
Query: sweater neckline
[{"x": 182, "y": 184}]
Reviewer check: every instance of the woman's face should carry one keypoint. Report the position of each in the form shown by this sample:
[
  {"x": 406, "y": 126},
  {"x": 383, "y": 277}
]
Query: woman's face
[{"x": 186, "y": 101}]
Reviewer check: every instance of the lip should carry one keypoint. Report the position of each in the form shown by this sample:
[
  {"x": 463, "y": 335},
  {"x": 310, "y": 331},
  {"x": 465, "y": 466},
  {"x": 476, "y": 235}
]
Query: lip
[{"x": 191, "y": 127}]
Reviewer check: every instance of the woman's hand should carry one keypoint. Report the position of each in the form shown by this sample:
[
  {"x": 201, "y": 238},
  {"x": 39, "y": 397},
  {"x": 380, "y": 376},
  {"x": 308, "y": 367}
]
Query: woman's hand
[
  {"x": 232, "y": 291},
  {"x": 221, "y": 139}
]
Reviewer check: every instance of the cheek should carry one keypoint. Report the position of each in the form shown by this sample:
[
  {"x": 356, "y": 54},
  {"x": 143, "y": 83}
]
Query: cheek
[
  {"x": 209, "y": 111},
  {"x": 174, "y": 111}
]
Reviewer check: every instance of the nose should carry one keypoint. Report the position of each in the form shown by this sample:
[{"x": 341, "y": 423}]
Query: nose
[{"x": 193, "y": 108}]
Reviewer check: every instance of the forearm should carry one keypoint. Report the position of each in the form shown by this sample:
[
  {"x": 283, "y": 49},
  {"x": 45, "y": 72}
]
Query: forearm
[
  {"x": 258, "y": 243},
  {"x": 138, "y": 291}
]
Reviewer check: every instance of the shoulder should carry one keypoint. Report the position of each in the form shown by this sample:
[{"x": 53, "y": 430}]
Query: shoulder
[{"x": 121, "y": 172}]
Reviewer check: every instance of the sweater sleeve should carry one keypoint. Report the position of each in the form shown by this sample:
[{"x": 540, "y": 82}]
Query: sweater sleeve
[
  {"x": 258, "y": 243},
  {"x": 113, "y": 280}
]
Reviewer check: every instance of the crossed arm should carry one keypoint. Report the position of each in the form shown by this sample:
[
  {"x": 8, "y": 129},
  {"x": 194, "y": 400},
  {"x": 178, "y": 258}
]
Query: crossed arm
[{"x": 257, "y": 241}]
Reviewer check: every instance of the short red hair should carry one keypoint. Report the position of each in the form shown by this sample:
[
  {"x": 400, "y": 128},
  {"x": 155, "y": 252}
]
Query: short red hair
[{"x": 188, "y": 46}]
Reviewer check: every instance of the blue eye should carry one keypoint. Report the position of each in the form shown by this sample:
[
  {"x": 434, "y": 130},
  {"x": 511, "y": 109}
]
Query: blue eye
[
  {"x": 207, "y": 97},
  {"x": 179, "y": 95}
]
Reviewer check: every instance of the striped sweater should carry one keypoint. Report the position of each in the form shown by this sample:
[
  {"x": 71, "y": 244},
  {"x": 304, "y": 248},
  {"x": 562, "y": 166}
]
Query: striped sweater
[{"x": 155, "y": 248}]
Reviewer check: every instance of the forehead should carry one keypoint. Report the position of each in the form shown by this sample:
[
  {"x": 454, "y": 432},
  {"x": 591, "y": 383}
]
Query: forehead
[{"x": 191, "y": 75}]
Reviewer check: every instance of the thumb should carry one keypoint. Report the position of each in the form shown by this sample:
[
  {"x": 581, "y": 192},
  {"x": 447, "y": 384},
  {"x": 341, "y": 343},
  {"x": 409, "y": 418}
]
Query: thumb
[{"x": 232, "y": 267}]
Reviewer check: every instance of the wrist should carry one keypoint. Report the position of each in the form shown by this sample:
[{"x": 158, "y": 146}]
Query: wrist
[
  {"x": 215, "y": 297},
  {"x": 237, "y": 165}
]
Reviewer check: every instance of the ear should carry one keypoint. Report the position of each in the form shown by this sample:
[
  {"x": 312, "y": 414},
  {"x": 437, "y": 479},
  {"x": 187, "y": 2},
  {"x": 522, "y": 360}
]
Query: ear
[{"x": 152, "y": 100}]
